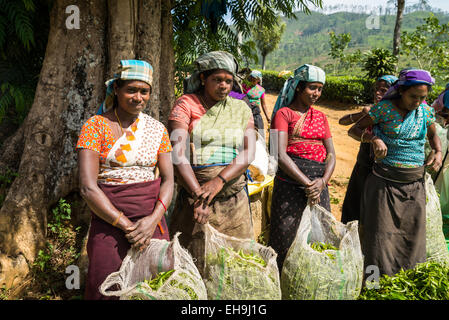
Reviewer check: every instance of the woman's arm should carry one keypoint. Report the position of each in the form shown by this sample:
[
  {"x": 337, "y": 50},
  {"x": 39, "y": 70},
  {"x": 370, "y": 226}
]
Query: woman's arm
[
  {"x": 179, "y": 135},
  {"x": 357, "y": 131},
  {"x": 317, "y": 186},
  {"x": 286, "y": 163},
  {"x": 142, "y": 231},
  {"x": 353, "y": 117},
  {"x": 264, "y": 108},
  {"x": 435, "y": 158},
  {"x": 235, "y": 168},
  {"x": 98, "y": 202}
]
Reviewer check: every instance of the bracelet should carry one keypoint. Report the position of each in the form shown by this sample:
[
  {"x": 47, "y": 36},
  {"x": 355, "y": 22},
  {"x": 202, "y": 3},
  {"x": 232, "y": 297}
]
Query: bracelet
[
  {"x": 159, "y": 199},
  {"x": 222, "y": 179},
  {"x": 117, "y": 219},
  {"x": 361, "y": 137}
]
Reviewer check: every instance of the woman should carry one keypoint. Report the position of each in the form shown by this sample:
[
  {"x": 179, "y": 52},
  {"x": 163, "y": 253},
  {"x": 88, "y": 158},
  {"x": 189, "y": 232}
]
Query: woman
[
  {"x": 118, "y": 151},
  {"x": 393, "y": 208},
  {"x": 306, "y": 156},
  {"x": 256, "y": 96},
  {"x": 363, "y": 165},
  {"x": 222, "y": 145}
]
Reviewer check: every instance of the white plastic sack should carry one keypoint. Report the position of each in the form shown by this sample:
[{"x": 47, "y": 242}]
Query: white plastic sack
[
  {"x": 184, "y": 283},
  {"x": 259, "y": 167},
  {"x": 436, "y": 248},
  {"x": 231, "y": 273},
  {"x": 329, "y": 275}
]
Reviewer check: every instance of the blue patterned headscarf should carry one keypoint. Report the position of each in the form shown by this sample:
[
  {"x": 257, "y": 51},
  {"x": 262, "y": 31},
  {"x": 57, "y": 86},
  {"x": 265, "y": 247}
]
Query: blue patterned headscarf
[
  {"x": 128, "y": 70},
  {"x": 306, "y": 73},
  {"x": 388, "y": 79},
  {"x": 256, "y": 74}
]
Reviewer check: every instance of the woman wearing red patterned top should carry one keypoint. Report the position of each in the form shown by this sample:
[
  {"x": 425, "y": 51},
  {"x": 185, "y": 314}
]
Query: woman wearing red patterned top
[{"x": 306, "y": 156}]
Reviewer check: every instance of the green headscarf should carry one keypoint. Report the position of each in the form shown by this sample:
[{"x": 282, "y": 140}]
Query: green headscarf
[
  {"x": 210, "y": 61},
  {"x": 306, "y": 73}
]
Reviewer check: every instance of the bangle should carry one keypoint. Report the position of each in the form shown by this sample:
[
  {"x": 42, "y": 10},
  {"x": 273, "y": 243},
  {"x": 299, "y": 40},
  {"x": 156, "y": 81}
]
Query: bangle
[
  {"x": 117, "y": 219},
  {"x": 222, "y": 179},
  {"x": 361, "y": 137},
  {"x": 159, "y": 199}
]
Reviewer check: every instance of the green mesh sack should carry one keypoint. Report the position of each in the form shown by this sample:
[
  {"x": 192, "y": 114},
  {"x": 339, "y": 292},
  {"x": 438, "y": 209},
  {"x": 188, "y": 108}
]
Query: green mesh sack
[
  {"x": 333, "y": 273},
  {"x": 163, "y": 271},
  {"x": 436, "y": 248},
  {"x": 239, "y": 269}
]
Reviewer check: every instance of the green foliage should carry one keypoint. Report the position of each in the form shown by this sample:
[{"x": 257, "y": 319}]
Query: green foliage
[
  {"x": 379, "y": 62},
  {"x": 338, "y": 44},
  {"x": 267, "y": 37},
  {"x": 306, "y": 39},
  {"x": 428, "y": 46},
  {"x": 427, "y": 281},
  {"x": 24, "y": 27},
  {"x": 347, "y": 89},
  {"x": 198, "y": 28},
  {"x": 61, "y": 250},
  {"x": 61, "y": 215},
  {"x": 272, "y": 81}
]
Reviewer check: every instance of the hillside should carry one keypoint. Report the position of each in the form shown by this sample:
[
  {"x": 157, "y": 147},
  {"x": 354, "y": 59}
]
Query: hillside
[{"x": 306, "y": 39}]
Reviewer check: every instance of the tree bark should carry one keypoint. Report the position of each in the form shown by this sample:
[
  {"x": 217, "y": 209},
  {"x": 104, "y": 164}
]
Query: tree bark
[
  {"x": 397, "y": 27},
  {"x": 70, "y": 89}
]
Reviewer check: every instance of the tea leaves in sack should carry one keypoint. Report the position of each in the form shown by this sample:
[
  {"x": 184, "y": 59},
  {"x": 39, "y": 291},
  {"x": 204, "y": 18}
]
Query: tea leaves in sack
[
  {"x": 436, "y": 248},
  {"x": 163, "y": 271},
  {"x": 239, "y": 269},
  {"x": 325, "y": 260}
]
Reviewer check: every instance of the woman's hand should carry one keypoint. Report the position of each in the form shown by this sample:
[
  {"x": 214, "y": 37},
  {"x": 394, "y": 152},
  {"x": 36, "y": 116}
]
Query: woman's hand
[
  {"x": 201, "y": 212},
  {"x": 141, "y": 232},
  {"x": 379, "y": 147},
  {"x": 434, "y": 160},
  {"x": 314, "y": 189},
  {"x": 210, "y": 189}
]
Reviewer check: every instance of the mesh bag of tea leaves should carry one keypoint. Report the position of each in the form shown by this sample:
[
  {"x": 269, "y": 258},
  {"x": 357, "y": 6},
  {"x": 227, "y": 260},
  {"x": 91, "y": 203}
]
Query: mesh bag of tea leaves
[
  {"x": 239, "y": 269},
  {"x": 163, "y": 271},
  {"x": 436, "y": 248},
  {"x": 325, "y": 260}
]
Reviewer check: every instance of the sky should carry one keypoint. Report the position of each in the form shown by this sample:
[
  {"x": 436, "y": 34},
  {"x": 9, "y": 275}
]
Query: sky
[{"x": 441, "y": 4}]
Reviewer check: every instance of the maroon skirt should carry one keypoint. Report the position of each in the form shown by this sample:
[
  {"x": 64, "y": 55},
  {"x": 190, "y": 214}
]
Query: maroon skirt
[{"x": 107, "y": 246}]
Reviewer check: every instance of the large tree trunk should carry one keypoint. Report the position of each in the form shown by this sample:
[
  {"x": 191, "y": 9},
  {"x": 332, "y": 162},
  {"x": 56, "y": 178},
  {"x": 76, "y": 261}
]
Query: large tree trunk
[
  {"x": 397, "y": 27},
  {"x": 70, "y": 90}
]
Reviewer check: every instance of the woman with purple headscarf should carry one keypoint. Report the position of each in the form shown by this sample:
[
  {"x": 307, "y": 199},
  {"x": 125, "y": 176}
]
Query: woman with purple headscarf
[{"x": 393, "y": 205}]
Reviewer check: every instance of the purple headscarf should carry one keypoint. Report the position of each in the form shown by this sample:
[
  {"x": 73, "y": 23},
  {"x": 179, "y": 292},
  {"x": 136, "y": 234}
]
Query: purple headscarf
[{"x": 409, "y": 77}]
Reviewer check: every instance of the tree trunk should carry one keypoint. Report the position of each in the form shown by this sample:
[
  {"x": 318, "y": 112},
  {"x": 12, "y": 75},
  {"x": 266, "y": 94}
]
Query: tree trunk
[
  {"x": 397, "y": 27},
  {"x": 263, "y": 62},
  {"x": 70, "y": 89}
]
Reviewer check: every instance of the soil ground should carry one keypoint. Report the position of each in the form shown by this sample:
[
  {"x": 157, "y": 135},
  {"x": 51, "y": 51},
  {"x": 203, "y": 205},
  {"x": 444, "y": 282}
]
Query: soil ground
[{"x": 346, "y": 148}]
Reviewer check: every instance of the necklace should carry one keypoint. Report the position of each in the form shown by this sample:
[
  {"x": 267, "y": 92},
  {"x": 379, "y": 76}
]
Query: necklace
[
  {"x": 203, "y": 102},
  {"x": 115, "y": 111}
]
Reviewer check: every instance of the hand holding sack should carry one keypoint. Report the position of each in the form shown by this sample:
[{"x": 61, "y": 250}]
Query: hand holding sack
[
  {"x": 314, "y": 271},
  {"x": 163, "y": 271}
]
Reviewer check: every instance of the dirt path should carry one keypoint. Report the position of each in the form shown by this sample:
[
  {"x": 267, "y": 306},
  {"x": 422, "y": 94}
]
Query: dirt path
[{"x": 346, "y": 148}]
